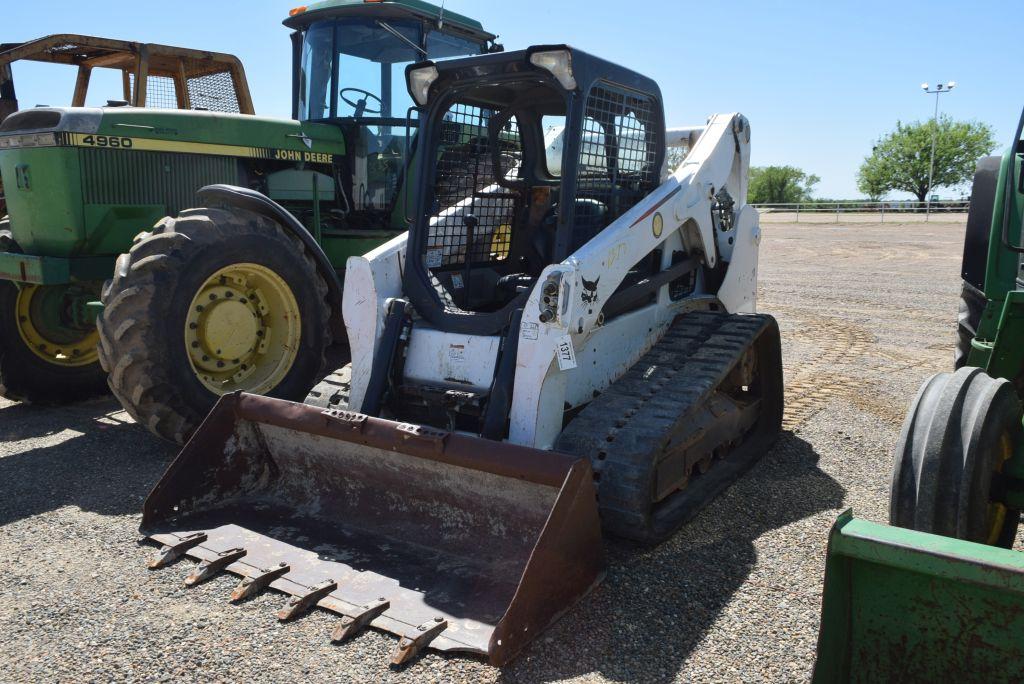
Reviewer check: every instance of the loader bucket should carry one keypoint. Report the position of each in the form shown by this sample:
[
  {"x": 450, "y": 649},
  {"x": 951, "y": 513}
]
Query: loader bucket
[
  {"x": 446, "y": 540},
  {"x": 905, "y": 606}
]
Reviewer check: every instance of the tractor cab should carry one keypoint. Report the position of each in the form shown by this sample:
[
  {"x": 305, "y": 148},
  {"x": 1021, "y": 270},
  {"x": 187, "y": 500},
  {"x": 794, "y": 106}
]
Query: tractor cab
[
  {"x": 147, "y": 75},
  {"x": 349, "y": 63}
]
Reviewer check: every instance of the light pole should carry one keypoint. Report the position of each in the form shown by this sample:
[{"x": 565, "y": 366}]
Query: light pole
[{"x": 939, "y": 89}]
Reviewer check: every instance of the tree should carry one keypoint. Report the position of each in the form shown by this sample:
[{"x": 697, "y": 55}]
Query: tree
[
  {"x": 780, "y": 185},
  {"x": 901, "y": 159},
  {"x": 872, "y": 182}
]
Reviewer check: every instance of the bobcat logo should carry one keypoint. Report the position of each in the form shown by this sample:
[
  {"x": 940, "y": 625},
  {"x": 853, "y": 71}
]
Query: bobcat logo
[{"x": 589, "y": 294}]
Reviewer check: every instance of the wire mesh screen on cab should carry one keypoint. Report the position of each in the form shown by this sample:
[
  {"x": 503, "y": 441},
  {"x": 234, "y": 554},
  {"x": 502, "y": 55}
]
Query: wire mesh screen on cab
[
  {"x": 473, "y": 215},
  {"x": 618, "y": 159},
  {"x": 207, "y": 89},
  {"x": 214, "y": 91}
]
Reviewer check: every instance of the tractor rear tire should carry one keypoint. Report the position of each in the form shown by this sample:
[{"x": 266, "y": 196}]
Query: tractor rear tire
[
  {"x": 333, "y": 391},
  {"x": 211, "y": 278},
  {"x": 962, "y": 428},
  {"x": 972, "y": 306},
  {"x": 25, "y": 374}
]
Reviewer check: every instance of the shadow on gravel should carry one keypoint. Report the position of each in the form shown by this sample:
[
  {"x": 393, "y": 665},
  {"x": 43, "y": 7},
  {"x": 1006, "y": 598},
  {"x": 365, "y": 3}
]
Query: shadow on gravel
[
  {"x": 656, "y": 605},
  {"x": 102, "y": 463},
  {"x": 26, "y": 421}
]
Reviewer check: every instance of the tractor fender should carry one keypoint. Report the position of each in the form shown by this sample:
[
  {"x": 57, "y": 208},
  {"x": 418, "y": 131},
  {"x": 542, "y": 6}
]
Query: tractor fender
[{"x": 257, "y": 202}]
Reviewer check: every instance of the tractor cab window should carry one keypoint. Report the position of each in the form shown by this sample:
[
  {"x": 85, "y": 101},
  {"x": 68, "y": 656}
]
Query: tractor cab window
[
  {"x": 354, "y": 68},
  {"x": 352, "y": 71}
]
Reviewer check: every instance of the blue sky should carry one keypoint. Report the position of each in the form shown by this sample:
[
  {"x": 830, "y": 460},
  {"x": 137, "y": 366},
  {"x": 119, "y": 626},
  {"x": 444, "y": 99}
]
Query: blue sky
[{"x": 819, "y": 81}]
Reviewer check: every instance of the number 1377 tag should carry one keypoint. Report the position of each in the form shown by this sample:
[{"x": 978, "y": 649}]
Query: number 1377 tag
[{"x": 565, "y": 353}]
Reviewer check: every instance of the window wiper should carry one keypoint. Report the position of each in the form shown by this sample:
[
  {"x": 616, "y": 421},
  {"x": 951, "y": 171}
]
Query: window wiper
[{"x": 393, "y": 31}]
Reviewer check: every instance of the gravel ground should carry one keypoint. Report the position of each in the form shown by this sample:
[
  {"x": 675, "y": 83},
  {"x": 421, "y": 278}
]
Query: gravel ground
[{"x": 867, "y": 312}]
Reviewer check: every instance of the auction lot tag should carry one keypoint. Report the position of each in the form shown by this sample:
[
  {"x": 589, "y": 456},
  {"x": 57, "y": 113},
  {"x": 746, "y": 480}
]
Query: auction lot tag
[{"x": 565, "y": 353}]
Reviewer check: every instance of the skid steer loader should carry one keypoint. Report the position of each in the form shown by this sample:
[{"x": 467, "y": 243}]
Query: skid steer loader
[
  {"x": 939, "y": 596},
  {"x": 565, "y": 339}
]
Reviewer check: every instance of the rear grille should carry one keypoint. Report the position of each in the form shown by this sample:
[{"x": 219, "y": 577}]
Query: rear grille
[{"x": 151, "y": 178}]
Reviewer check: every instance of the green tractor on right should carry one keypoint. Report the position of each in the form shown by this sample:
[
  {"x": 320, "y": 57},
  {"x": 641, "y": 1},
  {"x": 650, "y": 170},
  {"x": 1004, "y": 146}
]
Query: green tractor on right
[{"x": 939, "y": 594}]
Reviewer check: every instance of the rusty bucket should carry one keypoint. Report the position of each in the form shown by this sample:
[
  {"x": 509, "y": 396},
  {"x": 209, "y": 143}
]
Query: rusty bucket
[{"x": 446, "y": 540}]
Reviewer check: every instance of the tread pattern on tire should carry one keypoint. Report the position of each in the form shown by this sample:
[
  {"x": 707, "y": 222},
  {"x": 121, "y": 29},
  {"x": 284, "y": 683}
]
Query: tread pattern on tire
[
  {"x": 972, "y": 306},
  {"x": 130, "y": 351},
  {"x": 942, "y": 460},
  {"x": 333, "y": 391},
  {"x": 624, "y": 430}
]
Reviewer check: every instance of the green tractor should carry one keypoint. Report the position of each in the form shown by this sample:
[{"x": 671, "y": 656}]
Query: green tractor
[
  {"x": 231, "y": 290},
  {"x": 61, "y": 239},
  {"x": 939, "y": 596}
]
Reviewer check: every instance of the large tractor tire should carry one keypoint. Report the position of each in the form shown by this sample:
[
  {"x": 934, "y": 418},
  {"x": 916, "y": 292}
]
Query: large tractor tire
[
  {"x": 961, "y": 430},
  {"x": 46, "y": 356},
  {"x": 972, "y": 306},
  {"x": 211, "y": 302}
]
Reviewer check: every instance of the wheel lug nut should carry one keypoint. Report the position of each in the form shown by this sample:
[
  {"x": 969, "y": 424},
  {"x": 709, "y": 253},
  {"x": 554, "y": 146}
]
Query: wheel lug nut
[
  {"x": 229, "y": 295},
  {"x": 200, "y": 308},
  {"x": 220, "y": 364},
  {"x": 213, "y": 297},
  {"x": 195, "y": 345},
  {"x": 205, "y": 357},
  {"x": 193, "y": 326}
]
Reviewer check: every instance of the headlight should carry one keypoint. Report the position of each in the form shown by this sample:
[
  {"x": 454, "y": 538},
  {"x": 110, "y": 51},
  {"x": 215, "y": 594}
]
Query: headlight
[
  {"x": 28, "y": 140},
  {"x": 420, "y": 81},
  {"x": 559, "y": 63}
]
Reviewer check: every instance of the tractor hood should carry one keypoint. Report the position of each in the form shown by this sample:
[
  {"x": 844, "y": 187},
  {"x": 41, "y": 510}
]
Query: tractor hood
[{"x": 214, "y": 133}]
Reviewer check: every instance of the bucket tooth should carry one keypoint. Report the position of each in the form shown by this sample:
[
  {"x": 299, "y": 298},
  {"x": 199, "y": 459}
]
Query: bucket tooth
[
  {"x": 210, "y": 568},
  {"x": 297, "y": 605},
  {"x": 413, "y": 642},
  {"x": 250, "y": 586},
  {"x": 353, "y": 624},
  {"x": 172, "y": 552}
]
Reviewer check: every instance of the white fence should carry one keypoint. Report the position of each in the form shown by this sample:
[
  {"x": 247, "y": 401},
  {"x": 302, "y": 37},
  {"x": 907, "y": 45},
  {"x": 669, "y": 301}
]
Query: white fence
[{"x": 835, "y": 212}]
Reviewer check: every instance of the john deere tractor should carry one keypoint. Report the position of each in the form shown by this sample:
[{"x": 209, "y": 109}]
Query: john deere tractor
[
  {"x": 939, "y": 595},
  {"x": 226, "y": 293},
  {"x": 73, "y": 206}
]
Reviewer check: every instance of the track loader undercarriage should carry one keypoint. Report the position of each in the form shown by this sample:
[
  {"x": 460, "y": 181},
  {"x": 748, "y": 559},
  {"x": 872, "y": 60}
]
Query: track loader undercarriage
[{"x": 564, "y": 340}]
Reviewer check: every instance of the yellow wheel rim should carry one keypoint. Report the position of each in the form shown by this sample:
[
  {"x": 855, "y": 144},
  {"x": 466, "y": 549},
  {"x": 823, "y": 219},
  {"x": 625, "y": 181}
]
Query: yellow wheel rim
[
  {"x": 242, "y": 330},
  {"x": 42, "y": 333},
  {"x": 997, "y": 512}
]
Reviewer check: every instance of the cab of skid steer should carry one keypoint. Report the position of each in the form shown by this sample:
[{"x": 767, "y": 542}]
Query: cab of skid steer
[{"x": 529, "y": 155}]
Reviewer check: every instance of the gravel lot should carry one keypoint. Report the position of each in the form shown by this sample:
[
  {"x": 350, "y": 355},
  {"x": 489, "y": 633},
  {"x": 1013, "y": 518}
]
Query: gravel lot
[{"x": 867, "y": 312}]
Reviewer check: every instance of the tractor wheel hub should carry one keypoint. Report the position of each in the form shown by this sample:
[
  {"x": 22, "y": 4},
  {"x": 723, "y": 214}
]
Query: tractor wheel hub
[{"x": 229, "y": 331}]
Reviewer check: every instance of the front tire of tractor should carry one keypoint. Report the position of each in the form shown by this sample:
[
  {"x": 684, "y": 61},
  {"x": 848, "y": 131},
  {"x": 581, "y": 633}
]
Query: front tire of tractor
[
  {"x": 211, "y": 302},
  {"x": 34, "y": 375},
  {"x": 961, "y": 430}
]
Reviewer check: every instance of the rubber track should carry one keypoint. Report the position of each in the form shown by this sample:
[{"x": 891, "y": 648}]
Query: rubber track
[{"x": 625, "y": 430}]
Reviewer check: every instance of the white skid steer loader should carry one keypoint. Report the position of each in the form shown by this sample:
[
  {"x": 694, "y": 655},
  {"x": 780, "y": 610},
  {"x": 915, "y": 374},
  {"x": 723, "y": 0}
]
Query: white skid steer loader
[{"x": 564, "y": 340}]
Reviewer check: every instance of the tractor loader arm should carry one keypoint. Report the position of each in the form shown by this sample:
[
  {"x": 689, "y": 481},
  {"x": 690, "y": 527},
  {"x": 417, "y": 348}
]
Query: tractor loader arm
[{"x": 680, "y": 216}]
